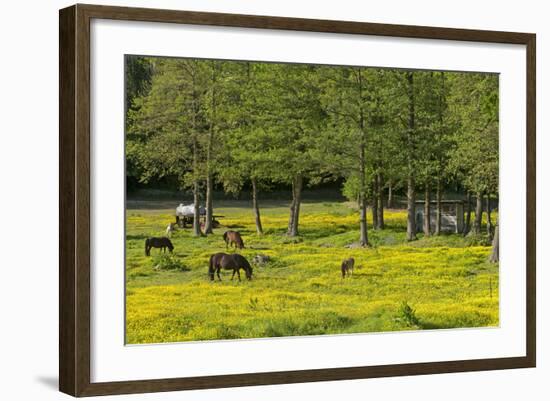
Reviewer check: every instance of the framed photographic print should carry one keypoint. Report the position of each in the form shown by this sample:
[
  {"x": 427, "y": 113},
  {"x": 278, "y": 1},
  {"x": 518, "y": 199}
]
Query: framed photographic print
[{"x": 250, "y": 200}]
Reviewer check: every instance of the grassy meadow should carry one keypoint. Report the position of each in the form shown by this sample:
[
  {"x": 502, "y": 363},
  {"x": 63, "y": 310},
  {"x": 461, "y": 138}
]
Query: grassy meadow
[{"x": 433, "y": 283}]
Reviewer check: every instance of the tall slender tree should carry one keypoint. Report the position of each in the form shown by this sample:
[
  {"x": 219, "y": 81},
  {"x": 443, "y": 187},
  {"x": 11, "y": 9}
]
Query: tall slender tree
[
  {"x": 360, "y": 135},
  {"x": 410, "y": 150},
  {"x": 475, "y": 155},
  {"x": 169, "y": 126},
  {"x": 295, "y": 117}
]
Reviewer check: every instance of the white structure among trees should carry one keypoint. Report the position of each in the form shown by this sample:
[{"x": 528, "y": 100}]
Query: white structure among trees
[{"x": 452, "y": 216}]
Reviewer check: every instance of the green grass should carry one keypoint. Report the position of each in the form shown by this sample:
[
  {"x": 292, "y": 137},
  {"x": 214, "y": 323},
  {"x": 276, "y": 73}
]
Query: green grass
[{"x": 432, "y": 283}]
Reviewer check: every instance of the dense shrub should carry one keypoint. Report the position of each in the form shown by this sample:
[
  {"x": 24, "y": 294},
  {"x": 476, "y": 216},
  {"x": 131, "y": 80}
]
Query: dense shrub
[{"x": 167, "y": 261}]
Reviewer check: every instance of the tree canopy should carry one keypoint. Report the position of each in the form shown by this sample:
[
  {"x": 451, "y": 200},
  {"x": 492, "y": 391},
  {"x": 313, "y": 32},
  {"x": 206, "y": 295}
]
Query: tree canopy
[{"x": 209, "y": 124}]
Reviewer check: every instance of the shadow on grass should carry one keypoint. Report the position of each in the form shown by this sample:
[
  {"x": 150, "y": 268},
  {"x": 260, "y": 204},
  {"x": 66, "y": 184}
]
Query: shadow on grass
[
  {"x": 328, "y": 231},
  {"x": 367, "y": 275},
  {"x": 235, "y": 226},
  {"x": 136, "y": 237},
  {"x": 427, "y": 325}
]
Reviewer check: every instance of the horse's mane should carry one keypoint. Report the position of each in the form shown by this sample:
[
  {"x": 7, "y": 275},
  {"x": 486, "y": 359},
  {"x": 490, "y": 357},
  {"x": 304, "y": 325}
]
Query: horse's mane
[
  {"x": 241, "y": 259},
  {"x": 247, "y": 263}
]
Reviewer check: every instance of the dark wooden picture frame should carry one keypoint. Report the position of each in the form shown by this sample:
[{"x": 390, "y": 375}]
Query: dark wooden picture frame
[{"x": 74, "y": 203}]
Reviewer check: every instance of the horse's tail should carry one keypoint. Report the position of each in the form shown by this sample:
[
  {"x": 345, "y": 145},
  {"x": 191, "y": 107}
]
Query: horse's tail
[
  {"x": 225, "y": 237},
  {"x": 170, "y": 245},
  {"x": 147, "y": 247},
  {"x": 211, "y": 268},
  {"x": 241, "y": 242},
  {"x": 211, "y": 264}
]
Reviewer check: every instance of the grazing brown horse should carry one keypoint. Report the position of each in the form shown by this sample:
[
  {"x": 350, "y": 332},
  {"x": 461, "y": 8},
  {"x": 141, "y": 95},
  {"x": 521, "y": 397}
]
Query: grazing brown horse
[
  {"x": 347, "y": 267},
  {"x": 233, "y": 238},
  {"x": 158, "y": 242},
  {"x": 233, "y": 262}
]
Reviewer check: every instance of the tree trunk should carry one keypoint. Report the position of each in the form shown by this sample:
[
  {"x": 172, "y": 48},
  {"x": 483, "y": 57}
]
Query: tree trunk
[
  {"x": 196, "y": 199},
  {"x": 291, "y": 215},
  {"x": 364, "y": 236},
  {"x": 374, "y": 203},
  {"x": 299, "y": 183},
  {"x": 411, "y": 196},
  {"x": 295, "y": 206},
  {"x": 476, "y": 229},
  {"x": 390, "y": 195},
  {"x": 427, "y": 210},
  {"x": 256, "y": 208},
  {"x": 363, "y": 228},
  {"x": 440, "y": 158},
  {"x": 209, "y": 218},
  {"x": 466, "y": 228},
  {"x": 411, "y": 218},
  {"x": 494, "y": 258},
  {"x": 489, "y": 222},
  {"x": 196, "y": 212},
  {"x": 380, "y": 199},
  {"x": 438, "y": 208},
  {"x": 209, "y": 223}
]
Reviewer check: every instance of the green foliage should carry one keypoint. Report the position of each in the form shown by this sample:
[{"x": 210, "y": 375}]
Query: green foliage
[
  {"x": 408, "y": 314},
  {"x": 352, "y": 188},
  {"x": 274, "y": 121},
  {"x": 167, "y": 261},
  {"x": 474, "y": 107},
  {"x": 138, "y": 73}
]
